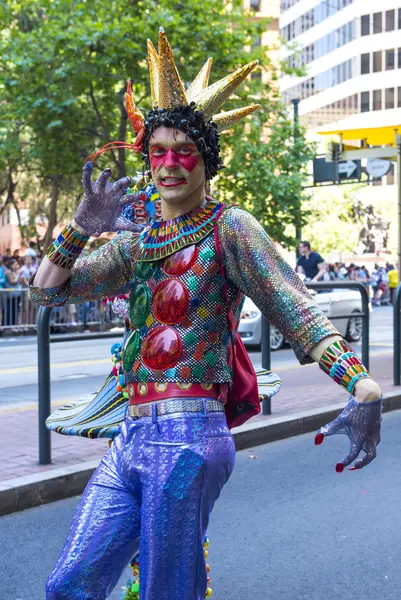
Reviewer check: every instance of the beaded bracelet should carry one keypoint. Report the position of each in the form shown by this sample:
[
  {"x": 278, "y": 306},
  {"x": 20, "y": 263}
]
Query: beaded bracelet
[
  {"x": 342, "y": 364},
  {"x": 67, "y": 247}
]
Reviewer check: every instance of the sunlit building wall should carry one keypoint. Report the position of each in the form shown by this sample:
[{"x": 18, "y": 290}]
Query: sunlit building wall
[{"x": 351, "y": 50}]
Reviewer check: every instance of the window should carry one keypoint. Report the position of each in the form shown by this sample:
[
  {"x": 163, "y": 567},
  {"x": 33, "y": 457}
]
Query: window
[
  {"x": 365, "y": 102},
  {"x": 365, "y": 64},
  {"x": 389, "y": 98},
  {"x": 377, "y": 61},
  {"x": 399, "y": 18},
  {"x": 365, "y": 25},
  {"x": 255, "y": 5},
  {"x": 390, "y": 60},
  {"x": 390, "y": 20},
  {"x": 399, "y": 98},
  {"x": 377, "y": 100},
  {"x": 377, "y": 22}
]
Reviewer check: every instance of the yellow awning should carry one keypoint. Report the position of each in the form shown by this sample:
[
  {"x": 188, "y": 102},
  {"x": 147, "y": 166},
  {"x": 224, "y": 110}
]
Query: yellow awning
[{"x": 376, "y": 130}]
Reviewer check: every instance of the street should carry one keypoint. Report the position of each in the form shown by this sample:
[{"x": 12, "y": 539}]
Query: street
[
  {"x": 79, "y": 368},
  {"x": 287, "y": 527}
]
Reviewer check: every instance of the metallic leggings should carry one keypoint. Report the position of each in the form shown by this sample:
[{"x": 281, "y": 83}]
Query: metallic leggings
[{"x": 154, "y": 491}]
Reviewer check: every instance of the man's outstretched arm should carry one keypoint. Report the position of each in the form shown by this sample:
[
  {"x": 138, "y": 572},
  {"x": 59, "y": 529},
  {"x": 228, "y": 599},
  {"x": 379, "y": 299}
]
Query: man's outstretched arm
[{"x": 253, "y": 264}]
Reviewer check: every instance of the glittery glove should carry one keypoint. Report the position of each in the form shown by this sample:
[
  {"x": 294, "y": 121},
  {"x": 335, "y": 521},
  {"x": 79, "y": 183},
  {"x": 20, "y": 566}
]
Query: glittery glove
[
  {"x": 101, "y": 207},
  {"x": 361, "y": 421}
]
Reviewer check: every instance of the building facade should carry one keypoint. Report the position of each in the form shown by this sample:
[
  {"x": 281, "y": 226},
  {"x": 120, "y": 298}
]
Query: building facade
[{"x": 351, "y": 52}]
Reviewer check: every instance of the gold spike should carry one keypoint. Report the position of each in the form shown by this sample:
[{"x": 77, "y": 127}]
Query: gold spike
[
  {"x": 225, "y": 120},
  {"x": 153, "y": 62},
  {"x": 171, "y": 91},
  {"x": 213, "y": 97},
  {"x": 201, "y": 81}
]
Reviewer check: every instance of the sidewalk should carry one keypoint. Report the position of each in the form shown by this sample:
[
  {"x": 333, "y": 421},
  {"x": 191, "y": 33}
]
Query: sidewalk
[{"x": 306, "y": 393}]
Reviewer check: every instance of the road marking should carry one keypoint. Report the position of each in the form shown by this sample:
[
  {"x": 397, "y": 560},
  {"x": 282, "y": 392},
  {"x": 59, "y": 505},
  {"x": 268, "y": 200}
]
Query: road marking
[
  {"x": 98, "y": 361},
  {"x": 34, "y": 405}
]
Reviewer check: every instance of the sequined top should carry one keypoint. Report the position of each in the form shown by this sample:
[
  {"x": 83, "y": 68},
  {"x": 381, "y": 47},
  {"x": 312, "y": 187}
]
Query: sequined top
[{"x": 176, "y": 306}]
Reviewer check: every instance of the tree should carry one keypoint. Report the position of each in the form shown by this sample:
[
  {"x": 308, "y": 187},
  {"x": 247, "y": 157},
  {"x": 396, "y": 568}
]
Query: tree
[{"x": 63, "y": 71}]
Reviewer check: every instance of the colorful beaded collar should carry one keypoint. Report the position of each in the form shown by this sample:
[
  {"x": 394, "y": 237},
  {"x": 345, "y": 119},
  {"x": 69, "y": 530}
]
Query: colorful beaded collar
[{"x": 166, "y": 237}]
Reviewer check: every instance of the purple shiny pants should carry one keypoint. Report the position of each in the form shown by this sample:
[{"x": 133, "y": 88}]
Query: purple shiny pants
[{"x": 154, "y": 491}]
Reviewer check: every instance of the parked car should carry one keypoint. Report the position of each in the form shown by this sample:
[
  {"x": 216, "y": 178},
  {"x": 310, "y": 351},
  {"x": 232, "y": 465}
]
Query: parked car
[{"x": 331, "y": 303}]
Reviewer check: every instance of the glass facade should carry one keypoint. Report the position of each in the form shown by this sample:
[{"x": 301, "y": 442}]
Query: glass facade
[
  {"x": 313, "y": 17},
  {"x": 369, "y": 62},
  {"x": 328, "y": 43}
]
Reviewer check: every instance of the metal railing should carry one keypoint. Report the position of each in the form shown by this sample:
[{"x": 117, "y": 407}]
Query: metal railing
[
  {"x": 44, "y": 340},
  {"x": 328, "y": 285},
  {"x": 397, "y": 335},
  {"x": 44, "y": 385},
  {"x": 18, "y": 314}
]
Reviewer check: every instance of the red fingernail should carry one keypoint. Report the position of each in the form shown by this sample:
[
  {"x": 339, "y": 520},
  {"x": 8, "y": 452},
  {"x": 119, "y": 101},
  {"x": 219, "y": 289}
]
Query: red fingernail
[
  {"x": 353, "y": 469},
  {"x": 339, "y": 467},
  {"x": 319, "y": 439}
]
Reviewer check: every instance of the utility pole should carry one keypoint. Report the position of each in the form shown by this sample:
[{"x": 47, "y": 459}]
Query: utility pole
[
  {"x": 398, "y": 141},
  {"x": 298, "y": 231}
]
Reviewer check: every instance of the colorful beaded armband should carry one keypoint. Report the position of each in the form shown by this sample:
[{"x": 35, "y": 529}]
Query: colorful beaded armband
[
  {"x": 67, "y": 247},
  {"x": 343, "y": 365}
]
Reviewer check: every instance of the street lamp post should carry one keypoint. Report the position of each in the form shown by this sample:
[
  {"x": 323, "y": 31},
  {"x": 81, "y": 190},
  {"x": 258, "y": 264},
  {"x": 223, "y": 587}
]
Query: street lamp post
[
  {"x": 398, "y": 141},
  {"x": 298, "y": 231}
]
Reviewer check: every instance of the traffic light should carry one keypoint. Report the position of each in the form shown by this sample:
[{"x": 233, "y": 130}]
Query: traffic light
[{"x": 335, "y": 152}]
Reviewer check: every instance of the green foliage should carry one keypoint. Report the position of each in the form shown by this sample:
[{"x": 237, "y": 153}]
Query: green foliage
[
  {"x": 63, "y": 71},
  {"x": 330, "y": 226},
  {"x": 267, "y": 177}
]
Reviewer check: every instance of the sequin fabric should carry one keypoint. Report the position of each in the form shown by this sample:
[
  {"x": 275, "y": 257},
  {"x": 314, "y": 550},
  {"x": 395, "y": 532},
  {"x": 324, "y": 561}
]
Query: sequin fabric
[
  {"x": 254, "y": 266},
  {"x": 361, "y": 422},
  {"x": 177, "y": 305},
  {"x": 104, "y": 273},
  {"x": 157, "y": 483}
]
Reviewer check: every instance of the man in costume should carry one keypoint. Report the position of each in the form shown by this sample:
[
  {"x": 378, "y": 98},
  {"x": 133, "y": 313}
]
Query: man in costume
[{"x": 186, "y": 275}]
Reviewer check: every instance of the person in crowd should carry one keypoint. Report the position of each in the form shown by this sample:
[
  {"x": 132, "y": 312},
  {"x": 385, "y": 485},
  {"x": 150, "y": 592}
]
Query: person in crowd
[
  {"x": 3, "y": 284},
  {"x": 392, "y": 275},
  {"x": 13, "y": 294},
  {"x": 311, "y": 262},
  {"x": 31, "y": 251},
  {"x": 380, "y": 297},
  {"x": 27, "y": 270}
]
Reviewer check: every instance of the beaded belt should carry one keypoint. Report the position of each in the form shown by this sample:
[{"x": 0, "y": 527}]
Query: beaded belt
[
  {"x": 175, "y": 406},
  {"x": 156, "y": 391}
]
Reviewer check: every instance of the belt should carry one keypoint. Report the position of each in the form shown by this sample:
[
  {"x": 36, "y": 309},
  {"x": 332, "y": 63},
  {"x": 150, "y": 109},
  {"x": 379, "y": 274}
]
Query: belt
[
  {"x": 175, "y": 406},
  {"x": 156, "y": 391}
]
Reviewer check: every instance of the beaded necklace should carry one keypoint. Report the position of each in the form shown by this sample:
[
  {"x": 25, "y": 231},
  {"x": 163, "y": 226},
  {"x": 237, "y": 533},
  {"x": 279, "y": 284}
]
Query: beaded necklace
[{"x": 163, "y": 238}]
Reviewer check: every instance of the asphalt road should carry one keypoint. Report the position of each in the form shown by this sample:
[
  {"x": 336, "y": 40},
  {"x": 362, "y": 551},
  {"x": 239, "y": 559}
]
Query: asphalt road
[
  {"x": 287, "y": 527},
  {"x": 79, "y": 368}
]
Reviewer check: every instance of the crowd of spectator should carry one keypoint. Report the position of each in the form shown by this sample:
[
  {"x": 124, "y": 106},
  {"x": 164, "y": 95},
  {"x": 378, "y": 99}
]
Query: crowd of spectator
[
  {"x": 381, "y": 281},
  {"x": 15, "y": 271}
]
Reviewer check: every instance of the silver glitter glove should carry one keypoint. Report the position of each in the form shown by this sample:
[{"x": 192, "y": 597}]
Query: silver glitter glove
[
  {"x": 361, "y": 421},
  {"x": 100, "y": 209}
]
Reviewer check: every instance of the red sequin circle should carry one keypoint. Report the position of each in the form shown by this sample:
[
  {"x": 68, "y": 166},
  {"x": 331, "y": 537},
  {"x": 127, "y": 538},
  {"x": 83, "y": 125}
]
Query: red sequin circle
[
  {"x": 161, "y": 348},
  {"x": 170, "y": 302},
  {"x": 180, "y": 262}
]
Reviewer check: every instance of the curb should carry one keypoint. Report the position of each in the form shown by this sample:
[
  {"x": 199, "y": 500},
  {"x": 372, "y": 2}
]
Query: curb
[{"x": 57, "y": 484}]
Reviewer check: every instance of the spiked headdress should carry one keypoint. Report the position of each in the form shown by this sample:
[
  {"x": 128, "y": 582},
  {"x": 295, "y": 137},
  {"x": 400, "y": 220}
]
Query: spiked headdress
[{"x": 169, "y": 94}]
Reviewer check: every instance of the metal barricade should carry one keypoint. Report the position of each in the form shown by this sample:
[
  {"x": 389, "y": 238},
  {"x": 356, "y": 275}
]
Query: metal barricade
[
  {"x": 18, "y": 315},
  {"x": 397, "y": 335},
  {"x": 44, "y": 385},
  {"x": 329, "y": 285}
]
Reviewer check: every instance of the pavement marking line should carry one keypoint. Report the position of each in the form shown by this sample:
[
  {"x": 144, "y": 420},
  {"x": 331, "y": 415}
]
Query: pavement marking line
[
  {"x": 97, "y": 361},
  {"x": 33, "y": 406}
]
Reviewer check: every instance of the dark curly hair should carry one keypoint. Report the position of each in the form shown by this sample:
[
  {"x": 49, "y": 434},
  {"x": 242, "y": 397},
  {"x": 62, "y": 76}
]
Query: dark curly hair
[{"x": 190, "y": 121}]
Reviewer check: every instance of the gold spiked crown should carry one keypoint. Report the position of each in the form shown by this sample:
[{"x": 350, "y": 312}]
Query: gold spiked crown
[{"x": 168, "y": 91}]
